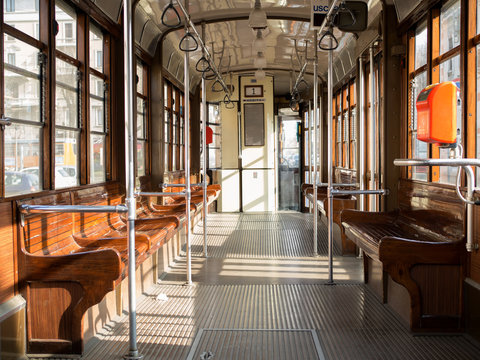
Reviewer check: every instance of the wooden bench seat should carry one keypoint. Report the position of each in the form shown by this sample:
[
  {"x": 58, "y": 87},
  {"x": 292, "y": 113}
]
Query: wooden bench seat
[
  {"x": 340, "y": 203},
  {"x": 423, "y": 251},
  {"x": 154, "y": 231},
  {"x": 52, "y": 262}
]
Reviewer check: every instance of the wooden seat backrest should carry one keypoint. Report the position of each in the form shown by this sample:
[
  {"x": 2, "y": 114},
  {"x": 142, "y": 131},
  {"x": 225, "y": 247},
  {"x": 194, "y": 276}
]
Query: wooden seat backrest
[
  {"x": 47, "y": 233},
  {"x": 432, "y": 208},
  {"x": 110, "y": 194}
]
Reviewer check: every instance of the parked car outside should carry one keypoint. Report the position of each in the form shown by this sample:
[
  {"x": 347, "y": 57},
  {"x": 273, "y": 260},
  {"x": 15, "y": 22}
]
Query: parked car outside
[{"x": 18, "y": 182}]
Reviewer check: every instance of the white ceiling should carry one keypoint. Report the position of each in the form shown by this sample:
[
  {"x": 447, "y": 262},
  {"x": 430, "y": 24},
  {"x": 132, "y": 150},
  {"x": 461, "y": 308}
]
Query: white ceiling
[{"x": 226, "y": 22}]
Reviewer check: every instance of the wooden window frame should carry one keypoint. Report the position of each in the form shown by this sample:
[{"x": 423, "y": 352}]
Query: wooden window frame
[
  {"x": 46, "y": 44},
  {"x": 466, "y": 50}
]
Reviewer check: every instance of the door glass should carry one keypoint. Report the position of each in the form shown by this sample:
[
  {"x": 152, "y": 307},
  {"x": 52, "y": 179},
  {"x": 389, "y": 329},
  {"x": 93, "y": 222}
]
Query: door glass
[{"x": 289, "y": 163}]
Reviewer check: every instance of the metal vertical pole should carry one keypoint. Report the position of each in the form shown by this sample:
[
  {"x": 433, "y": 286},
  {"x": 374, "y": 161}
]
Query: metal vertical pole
[
  {"x": 204, "y": 151},
  {"x": 373, "y": 155},
  {"x": 129, "y": 73},
  {"x": 329, "y": 164},
  {"x": 314, "y": 134},
  {"x": 186, "y": 135},
  {"x": 320, "y": 137},
  {"x": 310, "y": 148}
]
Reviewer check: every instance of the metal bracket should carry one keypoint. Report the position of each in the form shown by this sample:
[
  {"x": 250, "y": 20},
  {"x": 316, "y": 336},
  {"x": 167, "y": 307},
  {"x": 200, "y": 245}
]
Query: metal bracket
[{"x": 4, "y": 121}]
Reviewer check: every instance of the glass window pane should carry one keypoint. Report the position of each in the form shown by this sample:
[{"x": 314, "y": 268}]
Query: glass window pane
[
  {"x": 421, "y": 45},
  {"x": 140, "y": 118},
  {"x": 66, "y": 158},
  {"x": 449, "y": 26},
  {"x": 22, "y": 159},
  {"x": 97, "y": 159},
  {"x": 419, "y": 148},
  {"x": 66, "y": 39},
  {"x": 96, "y": 48},
  {"x": 66, "y": 95},
  {"x": 140, "y": 80},
  {"x": 22, "y": 80},
  {"x": 141, "y": 159},
  {"x": 450, "y": 71},
  {"x": 97, "y": 104},
  {"x": 22, "y": 15}
]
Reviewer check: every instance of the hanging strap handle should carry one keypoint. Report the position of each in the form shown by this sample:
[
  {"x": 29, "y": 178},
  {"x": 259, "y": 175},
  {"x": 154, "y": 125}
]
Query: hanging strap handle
[
  {"x": 170, "y": 8},
  {"x": 203, "y": 65},
  {"x": 228, "y": 103},
  {"x": 327, "y": 47},
  {"x": 188, "y": 37},
  {"x": 215, "y": 87}
]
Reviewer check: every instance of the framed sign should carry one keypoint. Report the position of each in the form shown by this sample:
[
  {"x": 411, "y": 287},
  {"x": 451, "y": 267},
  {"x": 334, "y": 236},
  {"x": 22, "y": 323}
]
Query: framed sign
[
  {"x": 254, "y": 91},
  {"x": 254, "y": 124}
]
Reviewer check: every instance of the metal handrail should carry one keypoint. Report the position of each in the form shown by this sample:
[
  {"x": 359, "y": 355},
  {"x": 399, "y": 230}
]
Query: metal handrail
[
  {"x": 39, "y": 209},
  {"x": 465, "y": 164},
  {"x": 360, "y": 192},
  {"x": 437, "y": 162},
  {"x": 337, "y": 185},
  {"x": 178, "y": 185},
  {"x": 180, "y": 193}
]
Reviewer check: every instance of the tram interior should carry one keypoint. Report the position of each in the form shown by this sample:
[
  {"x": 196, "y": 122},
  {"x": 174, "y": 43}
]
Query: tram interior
[{"x": 240, "y": 179}]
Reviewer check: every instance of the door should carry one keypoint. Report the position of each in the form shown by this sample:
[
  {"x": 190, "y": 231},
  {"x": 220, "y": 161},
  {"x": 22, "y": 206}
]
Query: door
[{"x": 289, "y": 131}]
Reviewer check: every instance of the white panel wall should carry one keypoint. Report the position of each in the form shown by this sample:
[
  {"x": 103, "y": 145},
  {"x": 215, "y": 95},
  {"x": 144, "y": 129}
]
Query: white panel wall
[
  {"x": 258, "y": 194},
  {"x": 229, "y": 199}
]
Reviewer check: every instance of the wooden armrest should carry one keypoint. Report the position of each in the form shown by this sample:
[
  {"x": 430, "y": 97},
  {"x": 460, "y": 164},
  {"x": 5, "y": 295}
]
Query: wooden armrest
[
  {"x": 400, "y": 250},
  {"x": 102, "y": 264}
]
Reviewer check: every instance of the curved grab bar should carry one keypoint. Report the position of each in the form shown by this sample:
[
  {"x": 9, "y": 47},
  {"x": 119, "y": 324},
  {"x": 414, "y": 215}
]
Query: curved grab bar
[
  {"x": 203, "y": 65},
  {"x": 168, "y": 8},
  {"x": 187, "y": 37},
  {"x": 328, "y": 48}
]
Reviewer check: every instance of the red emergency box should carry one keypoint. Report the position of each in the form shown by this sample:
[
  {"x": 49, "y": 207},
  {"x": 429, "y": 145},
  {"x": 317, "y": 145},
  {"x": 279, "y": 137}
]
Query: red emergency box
[
  {"x": 209, "y": 135},
  {"x": 437, "y": 113}
]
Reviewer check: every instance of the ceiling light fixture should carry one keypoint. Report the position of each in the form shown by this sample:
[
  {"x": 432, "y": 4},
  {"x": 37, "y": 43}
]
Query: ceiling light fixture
[
  {"x": 258, "y": 17},
  {"x": 259, "y": 74},
  {"x": 260, "y": 61},
  {"x": 259, "y": 43}
]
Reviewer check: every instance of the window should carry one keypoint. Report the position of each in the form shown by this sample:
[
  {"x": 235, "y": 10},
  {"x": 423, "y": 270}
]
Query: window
[
  {"x": 98, "y": 104},
  {"x": 167, "y": 102},
  {"x": 142, "y": 112},
  {"x": 66, "y": 39},
  {"x": 22, "y": 15},
  {"x": 78, "y": 97},
  {"x": 9, "y": 5},
  {"x": 174, "y": 141},
  {"x": 23, "y": 139},
  {"x": 11, "y": 58},
  {"x": 68, "y": 31},
  {"x": 353, "y": 126},
  {"x": 444, "y": 66},
  {"x": 215, "y": 148}
]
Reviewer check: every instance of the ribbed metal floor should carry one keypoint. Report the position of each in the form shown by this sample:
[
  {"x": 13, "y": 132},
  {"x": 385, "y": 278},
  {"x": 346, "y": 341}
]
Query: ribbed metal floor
[
  {"x": 242, "y": 294},
  {"x": 260, "y": 236},
  {"x": 256, "y": 344}
]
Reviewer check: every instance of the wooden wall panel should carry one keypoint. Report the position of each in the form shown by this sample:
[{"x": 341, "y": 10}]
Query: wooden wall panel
[
  {"x": 7, "y": 251},
  {"x": 474, "y": 270}
]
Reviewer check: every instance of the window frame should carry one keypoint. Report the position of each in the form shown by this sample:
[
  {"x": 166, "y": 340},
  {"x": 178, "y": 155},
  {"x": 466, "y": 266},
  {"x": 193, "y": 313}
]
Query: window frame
[{"x": 46, "y": 46}]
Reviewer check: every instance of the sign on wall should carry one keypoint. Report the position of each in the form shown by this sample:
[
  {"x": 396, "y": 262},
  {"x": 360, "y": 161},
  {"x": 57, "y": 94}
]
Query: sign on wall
[{"x": 319, "y": 10}]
